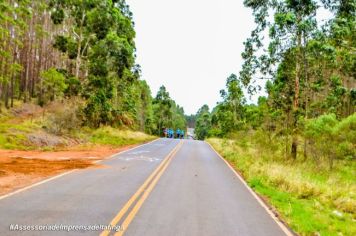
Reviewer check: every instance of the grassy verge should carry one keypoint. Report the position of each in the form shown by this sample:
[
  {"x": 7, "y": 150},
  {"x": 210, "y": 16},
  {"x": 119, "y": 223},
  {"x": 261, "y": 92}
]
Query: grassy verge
[
  {"x": 311, "y": 200},
  {"x": 32, "y": 133},
  {"x": 13, "y": 133},
  {"x": 117, "y": 137}
]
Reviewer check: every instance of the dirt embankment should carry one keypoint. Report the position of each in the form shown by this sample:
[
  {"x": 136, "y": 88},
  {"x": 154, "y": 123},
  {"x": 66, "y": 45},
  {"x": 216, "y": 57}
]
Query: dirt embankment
[{"x": 22, "y": 168}]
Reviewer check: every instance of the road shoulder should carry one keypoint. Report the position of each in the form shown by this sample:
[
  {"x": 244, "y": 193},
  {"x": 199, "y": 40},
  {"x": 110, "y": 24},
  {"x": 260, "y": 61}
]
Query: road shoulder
[
  {"x": 269, "y": 209},
  {"x": 20, "y": 170}
]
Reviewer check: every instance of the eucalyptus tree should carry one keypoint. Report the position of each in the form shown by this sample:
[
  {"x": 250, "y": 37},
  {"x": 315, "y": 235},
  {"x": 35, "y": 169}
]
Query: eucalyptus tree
[
  {"x": 178, "y": 118},
  {"x": 76, "y": 38},
  {"x": 203, "y": 122},
  {"x": 162, "y": 108},
  {"x": 229, "y": 114},
  {"x": 99, "y": 38},
  {"x": 145, "y": 108},
  {"x": 234, "y": 100},
  {"x": 13, "y": 18},
  {"x": 343, "y": 39},
  {"x": 291, "y": 23}
]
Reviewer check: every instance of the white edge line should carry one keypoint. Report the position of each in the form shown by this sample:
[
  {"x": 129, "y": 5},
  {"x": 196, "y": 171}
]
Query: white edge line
[
  {"x": 69, "y": 172},
  {"x": 36, "y": 184},
  {"x": 274, "y": 217}
]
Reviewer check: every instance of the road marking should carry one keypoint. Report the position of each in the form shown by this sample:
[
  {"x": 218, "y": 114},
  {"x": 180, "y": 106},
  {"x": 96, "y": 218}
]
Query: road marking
[
  {"x": 36, "y": 184},
  {"x": 138, "y": 152},
  {"x": 276, "y": 219},
  {"x": 68, "y": 172},
  {"x": 141, "y": 158},
  {"x": 128, "y": 150},
  {"x": 145, "y": 188},
  {"x": 140, "y": 202}
]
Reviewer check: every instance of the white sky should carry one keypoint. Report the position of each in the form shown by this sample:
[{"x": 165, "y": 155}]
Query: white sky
[{"x": 190, "y": 46}]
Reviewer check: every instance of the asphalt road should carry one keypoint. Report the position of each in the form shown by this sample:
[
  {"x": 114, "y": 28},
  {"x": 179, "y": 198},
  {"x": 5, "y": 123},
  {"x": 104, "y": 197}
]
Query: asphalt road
[{"x": 167, "y": 187}]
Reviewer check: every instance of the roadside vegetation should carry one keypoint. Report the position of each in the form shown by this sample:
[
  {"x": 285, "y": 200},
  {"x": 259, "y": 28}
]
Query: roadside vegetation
[
  {"x": 68, "y": 75},
  {"x": 31, "y": 127},
  {"x": 311, "y": 199},
  {"x": 296, "y": 146},
  {"x": 71, "y": 92}
]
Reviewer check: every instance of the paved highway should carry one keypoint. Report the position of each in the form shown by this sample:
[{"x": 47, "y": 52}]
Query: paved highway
[{"x": 166, "y": 187}]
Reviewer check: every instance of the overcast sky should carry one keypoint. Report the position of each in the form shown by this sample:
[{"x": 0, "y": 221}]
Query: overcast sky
[{"x": 190, "y": 46}]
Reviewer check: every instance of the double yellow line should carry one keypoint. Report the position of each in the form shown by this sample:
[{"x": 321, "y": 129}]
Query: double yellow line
[{"x": 141, "y": 194}]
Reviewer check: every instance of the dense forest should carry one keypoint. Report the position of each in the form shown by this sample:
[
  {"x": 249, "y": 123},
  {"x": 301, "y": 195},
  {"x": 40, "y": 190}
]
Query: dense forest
[
  {"x": 83, "y": 51},
  {"x": 310, "y": 73}
]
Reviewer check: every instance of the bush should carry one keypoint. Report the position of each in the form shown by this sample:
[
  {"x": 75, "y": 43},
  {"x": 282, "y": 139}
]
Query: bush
[
  {"x": 332, "y": 138},
  {"x": 53, "y": 85},
  {"x": 117, "y": 138},
  {"x": 345, "y": 134},
  {"x": 214, "y": 132},
  {"x": 63, "y": 120}
]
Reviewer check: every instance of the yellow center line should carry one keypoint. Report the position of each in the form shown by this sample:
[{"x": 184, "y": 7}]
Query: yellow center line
[
  {"x": 140, "y": 202},
  {"x": 128, "y": 204}
]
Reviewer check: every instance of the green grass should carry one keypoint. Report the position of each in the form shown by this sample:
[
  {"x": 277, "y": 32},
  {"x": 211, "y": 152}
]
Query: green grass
[
  {"x": 13, "y": 134},
  {"x": 14, "y": 131},
  {"x": 116, "y": 137},
  {"x": 313, "y": 201}
]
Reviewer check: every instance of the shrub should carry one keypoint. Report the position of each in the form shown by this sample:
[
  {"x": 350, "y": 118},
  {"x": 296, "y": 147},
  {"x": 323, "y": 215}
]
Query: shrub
[
  {"x": 332, "y": 138},
  {"x": 53, "y": 85},
  {"x": 116, "y": 137},
  {"x": 345, "y": 134},
  {"x": 63, "y": 119}
]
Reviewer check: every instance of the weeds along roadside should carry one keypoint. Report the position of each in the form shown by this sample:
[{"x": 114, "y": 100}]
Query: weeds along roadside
[
  {"x": 59, "y": 126},
  {"x": 311, "y": 198}
]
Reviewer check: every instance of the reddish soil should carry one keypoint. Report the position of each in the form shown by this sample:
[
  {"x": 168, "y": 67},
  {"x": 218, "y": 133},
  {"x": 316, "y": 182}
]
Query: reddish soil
[{"x": 22, "y": 168}]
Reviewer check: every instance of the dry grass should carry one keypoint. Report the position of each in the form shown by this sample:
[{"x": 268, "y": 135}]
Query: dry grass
[
  {"x": 315, "y": 191},
  {"x": 116, "y": 137},
  {"x": 29, "y": 127},
  {"x": 31, "y": 151}
]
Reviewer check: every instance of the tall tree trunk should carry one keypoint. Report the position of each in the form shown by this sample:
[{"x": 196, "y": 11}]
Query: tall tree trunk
[
  {"x": 287, "y": 134},
  {"x": 7, "y": 96},
  {"x": 12, "y": 80},
  {"x": 39, "y": 67},
  {"x": 28, "y": 63},
  {"x": 306, "y": 93},
  {"x": 12, "y": 91},
  {"x": 294, "y": 147},
  {"x": 6, "y": 73},
  {"x": 79, "y": 49}
]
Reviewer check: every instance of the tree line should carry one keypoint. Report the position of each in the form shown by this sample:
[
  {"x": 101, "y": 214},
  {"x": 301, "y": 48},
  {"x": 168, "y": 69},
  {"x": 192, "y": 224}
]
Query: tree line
[
  {"x": 310, "y": 72},
  {"x": 52, "y": 50}
]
